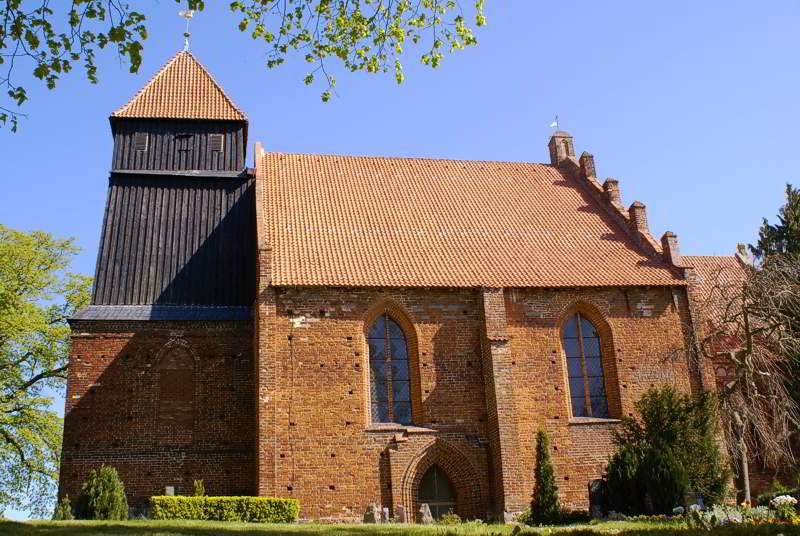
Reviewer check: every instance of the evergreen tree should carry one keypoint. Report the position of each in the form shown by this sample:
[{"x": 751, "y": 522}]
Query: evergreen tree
[
  {"x": 783, "y": 237},
  {"x": 671, "y": 447},
  {"x": 545, "y": 508},
  {"x": 63, "y": 510},
  {"x": 103, "y": 496}
]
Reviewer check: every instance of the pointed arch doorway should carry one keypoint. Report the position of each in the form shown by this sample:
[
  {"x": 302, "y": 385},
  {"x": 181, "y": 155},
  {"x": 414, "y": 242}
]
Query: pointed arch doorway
[{"x": 437, "y": 491}]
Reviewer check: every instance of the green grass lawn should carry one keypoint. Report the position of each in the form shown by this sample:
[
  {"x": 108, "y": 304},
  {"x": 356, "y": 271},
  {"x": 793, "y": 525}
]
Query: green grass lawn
[{"x": 206, "y": 528}]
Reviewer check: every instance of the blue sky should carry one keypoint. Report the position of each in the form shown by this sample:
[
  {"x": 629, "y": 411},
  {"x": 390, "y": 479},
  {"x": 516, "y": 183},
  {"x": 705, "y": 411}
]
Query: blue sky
[{"x": 691, "y": 105}]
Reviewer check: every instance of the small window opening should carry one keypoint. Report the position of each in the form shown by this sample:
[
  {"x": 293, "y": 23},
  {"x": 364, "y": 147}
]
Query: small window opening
[
  {"x": 140, "y": 141},
  {"x": 216, "y": 143}
]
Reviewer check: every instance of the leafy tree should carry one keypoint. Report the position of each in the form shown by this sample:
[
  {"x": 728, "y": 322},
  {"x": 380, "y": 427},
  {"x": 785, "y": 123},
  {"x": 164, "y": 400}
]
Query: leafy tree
[
  {"x": 670, "y": 447},
  {"x": 783, "y": 237},
  {"x": 103, "y": 496},
  {"x": 545, "y": 508},
  {"x": 50, "y": 38},
  {"x": 37, "y": 295}
]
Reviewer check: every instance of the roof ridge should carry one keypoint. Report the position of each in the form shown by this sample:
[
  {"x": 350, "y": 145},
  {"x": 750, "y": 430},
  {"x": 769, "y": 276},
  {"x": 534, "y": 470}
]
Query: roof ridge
[
  {"x": 124, "y": 110},
  {"x": 423, "y": 158},
  {"x": 710, "y": 256}
]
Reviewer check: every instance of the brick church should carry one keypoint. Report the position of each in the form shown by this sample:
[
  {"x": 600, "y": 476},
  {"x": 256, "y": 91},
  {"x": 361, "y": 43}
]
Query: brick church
[{"x": 353, "y": 330}]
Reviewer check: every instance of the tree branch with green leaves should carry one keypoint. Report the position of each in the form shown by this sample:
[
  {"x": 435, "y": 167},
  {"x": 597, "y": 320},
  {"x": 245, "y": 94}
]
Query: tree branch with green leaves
[
  {"x": 37, "y": 295},
  {"x": 45, "y": 40}
]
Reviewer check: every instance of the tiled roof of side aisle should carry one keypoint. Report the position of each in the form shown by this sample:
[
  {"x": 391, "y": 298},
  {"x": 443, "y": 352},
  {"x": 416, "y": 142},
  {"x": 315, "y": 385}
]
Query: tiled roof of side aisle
[
  {"x": 366, "y": 221},
  {"x": 182, "y": 89},
  {"x": 718, "y": 280}
]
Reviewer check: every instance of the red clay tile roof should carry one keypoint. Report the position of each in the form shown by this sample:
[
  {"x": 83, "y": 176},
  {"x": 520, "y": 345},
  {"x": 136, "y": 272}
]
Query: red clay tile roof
[
  {"x": 365, "y": 221},
  {"x": 182, "y": 89},
  {"x": 718, "y": 279}
]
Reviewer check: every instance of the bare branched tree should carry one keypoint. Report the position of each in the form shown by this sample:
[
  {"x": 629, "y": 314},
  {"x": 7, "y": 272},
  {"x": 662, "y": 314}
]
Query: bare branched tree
[{"x": 749, "y": 329}]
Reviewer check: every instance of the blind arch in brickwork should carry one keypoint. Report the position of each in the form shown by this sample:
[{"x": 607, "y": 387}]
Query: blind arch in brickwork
[{"x": 176, "y": 388}]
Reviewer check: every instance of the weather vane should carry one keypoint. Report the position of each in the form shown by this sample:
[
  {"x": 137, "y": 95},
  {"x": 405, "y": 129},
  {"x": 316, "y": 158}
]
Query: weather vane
[
  {"x": 186, "y": 14},
  {"x": 554, "y": 124}
]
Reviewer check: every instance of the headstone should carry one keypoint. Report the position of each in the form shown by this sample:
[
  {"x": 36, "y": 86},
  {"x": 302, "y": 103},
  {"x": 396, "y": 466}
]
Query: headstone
[
  {"x": 425, "y": 516},
  {"x": 509, "y": 517},
  {"x": 400, "y": 512},
  {"x": 372, "y": 515},
  {"x": 385, "y": 514},
  {"x": 169, "y": 491},
  {"x": 597, "y": 499}
]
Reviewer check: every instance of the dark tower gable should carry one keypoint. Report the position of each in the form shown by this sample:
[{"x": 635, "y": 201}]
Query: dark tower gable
[
  {"x": 178, "y": 145},
  {"x": 181, "y": 120},
  {"x": 179, "y": 228}
]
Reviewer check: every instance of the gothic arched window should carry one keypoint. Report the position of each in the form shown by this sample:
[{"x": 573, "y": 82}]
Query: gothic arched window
[
  {"x": 390, "y": 386},
  {"x": 584, "y": 367}
]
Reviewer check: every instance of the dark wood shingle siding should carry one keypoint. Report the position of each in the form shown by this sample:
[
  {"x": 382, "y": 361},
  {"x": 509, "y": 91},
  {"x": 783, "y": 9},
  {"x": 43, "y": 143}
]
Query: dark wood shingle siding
[
  {"x": 174, "y": 145},
  {"x": 177, "y": 241}
]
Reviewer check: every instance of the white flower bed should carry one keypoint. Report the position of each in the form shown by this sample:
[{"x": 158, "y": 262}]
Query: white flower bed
[{"x": 783, "y": 500}]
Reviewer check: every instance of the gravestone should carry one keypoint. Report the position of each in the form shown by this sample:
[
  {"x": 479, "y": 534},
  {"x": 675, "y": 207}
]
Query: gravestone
[
  {"x": 372, "y": 515},
  {"x": 169, "y": 491},
  {"x": 597, "y": 499},
  {"x": 385, "y": 515},
  {"x": 425, "y": 516},
  {"x": 400, "y": 512}
]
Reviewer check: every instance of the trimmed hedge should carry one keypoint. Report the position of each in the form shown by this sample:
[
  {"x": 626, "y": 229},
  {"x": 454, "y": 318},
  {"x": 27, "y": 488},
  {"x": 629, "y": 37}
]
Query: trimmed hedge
[{"x": 248, "y": 509}]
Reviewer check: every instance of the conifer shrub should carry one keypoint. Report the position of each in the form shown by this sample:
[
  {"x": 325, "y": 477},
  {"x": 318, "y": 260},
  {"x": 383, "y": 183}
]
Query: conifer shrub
[
  {"x": 245, "y": 509},
  {"x": 670, "y": 448},
  {"x": 199, "y": 488},
  {"x": 624, "y": 493},
  {"x": 63, "y": 511},
  {"x": 664, "y": 480},
  {"x": 545, "y": 508},
  {"x": 102, "y": 496}
]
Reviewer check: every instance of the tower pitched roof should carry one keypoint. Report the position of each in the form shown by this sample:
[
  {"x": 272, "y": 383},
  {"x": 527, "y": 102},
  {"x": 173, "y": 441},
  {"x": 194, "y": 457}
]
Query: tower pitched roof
[{"x": 182, "y": 89}]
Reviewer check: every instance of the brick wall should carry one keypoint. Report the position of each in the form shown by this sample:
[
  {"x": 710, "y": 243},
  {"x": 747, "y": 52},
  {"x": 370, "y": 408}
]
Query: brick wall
[
  {"x": 164, "y": 402},
  {"x": 171, "y": 402},
  {"x": 643, "y": 334},
  {"x": 315, "y": 391},
  {"x": 315, "y": 369}
]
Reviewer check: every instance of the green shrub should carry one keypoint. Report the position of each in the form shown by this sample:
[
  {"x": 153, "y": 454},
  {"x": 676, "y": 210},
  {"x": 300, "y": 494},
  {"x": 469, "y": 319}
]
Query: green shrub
[
  {"x": 63, "y": 511},
  {"x": 677, "y": 436},
  {"x": 450, "y": 518},
  {"x": 664, "y": 480},
  {"x": 568, "y": 517},
  {"x": 624, "y": 494},
  {"x": 102, "y": 496},
  {"x": 199, "y": 488},
  {"x": 545, "y": 508},
  {"x": 247, "y": 509}
]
